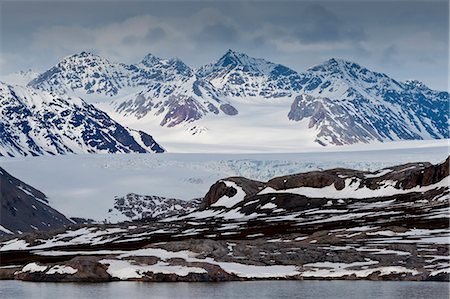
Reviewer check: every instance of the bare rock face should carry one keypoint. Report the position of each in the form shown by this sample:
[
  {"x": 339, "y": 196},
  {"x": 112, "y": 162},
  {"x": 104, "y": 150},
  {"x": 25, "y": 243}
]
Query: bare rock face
[
  {"x": 356, "y": 118},
  {"x": 8, "y": 273},
  {"x": 220, "y": 189},
  {"x": 228, "y": 109},
  {"x": 406, "y": 176},
  {"x": 216, "y": 191},
  {"x": 181, "y": 109},
  {"x": 315, "y": 179}
]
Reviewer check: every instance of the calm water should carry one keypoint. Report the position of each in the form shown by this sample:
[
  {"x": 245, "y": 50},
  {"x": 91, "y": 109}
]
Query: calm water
[{"x": 260, "y": 290}]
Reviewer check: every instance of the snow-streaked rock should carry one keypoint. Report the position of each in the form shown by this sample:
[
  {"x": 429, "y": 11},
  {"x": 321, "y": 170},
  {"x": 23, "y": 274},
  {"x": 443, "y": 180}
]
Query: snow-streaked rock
[
  {"x": 35, "y": 122},
  {"x": 270, "y": 236},
  {"x": 347, "y": 103},
  {"x": 238, "y": 75}
]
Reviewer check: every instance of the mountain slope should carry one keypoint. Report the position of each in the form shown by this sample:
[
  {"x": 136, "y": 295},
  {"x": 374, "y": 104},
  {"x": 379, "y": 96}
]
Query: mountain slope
[
  {"x": 239, "y": 75},
  {"x": 174, "y": 103},
  {"x": 348, "y": 103},
  {"x": 175, "y": 95},
  {"x": 36, "y": 122},
  {"x": 25, "y": 209},
  {"x": 85, "y": 73}
]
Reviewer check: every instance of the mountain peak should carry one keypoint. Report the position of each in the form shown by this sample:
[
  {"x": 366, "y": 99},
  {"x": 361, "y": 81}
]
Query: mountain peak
[
  {"x": 335, "y": 64},
  {"x": 233, "y": 58},
  {"x": 348, "y": 70},
  {"x": 83, "y": 54},
  {"x": 150, "y": 60},
  {"x": 174, "y": 65},
  {"x": 83, "y": 58},
  {"x": 416, "y": 84}
]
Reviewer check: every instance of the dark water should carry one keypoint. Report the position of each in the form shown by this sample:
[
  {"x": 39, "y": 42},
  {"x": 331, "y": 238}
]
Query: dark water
[{"x": 259, "y": 289}]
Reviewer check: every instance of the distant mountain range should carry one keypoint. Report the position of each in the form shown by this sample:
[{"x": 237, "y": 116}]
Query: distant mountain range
[{"x": 337, "y": 102}]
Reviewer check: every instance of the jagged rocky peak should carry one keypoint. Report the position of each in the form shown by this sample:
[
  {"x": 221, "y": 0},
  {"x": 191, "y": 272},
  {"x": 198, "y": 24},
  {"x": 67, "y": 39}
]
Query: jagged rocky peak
[
  {"x": 80, "y": 61},
  {"x": 238, "y": 75},
  {"x": 233, "y": 60},
  {"x": 175, "y": 65},
  {"x": 150, "y": 60},
  {"x": 351, "y": 72}
]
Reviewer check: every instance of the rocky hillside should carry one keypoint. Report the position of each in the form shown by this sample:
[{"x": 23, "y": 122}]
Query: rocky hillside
[
  {"x": 24, "y": 209},
  {"x": 174, "y": 103},
  {"x": 391, "y": 224},
  {"x": 35, "y": 122},
  {"x": 136, "y": 207}
]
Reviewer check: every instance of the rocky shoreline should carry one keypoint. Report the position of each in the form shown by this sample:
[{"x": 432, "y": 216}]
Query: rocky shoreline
[{"x": 391, "y": 224}]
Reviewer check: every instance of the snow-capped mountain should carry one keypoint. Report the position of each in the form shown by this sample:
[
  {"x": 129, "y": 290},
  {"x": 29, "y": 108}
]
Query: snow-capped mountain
[
  {"x": 174, "y": 95},
  {"x": 238, "y": 75},
  {"x": 163, "y": 70},
  {"x": 157, "y": 87},
  {"x": 347, "y": 103},
  {"x": 35, "y": 122},
  {"x": 335, "y": 103},
  {"x": 174, "y": 102},
  {"x": 86, "y": 73}
]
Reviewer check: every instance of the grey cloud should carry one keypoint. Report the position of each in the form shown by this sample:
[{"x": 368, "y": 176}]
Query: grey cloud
[
  {"x": 296, "y": 33},
  {"x": 388, "y": 54},
  {"x": 217, "y": 33},
  {"x": 318, "y": 24},
  {"x": 156, "y": 34}
]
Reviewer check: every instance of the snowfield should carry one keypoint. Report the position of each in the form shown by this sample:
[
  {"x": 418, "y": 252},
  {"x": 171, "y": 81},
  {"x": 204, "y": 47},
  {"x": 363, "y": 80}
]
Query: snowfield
[{"x": 85, "y": 185}]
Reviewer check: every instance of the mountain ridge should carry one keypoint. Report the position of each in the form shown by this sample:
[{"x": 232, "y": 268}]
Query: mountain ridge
[
  {"x": 36, "y": 122},
  {"x": 346, "y": 104}
]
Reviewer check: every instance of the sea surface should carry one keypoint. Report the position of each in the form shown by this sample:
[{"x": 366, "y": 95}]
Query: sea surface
[{"x": 255, "y": 289}]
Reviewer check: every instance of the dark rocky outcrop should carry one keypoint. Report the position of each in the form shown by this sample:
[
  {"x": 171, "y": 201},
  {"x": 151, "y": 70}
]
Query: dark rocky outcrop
[
  {"x": 26, "y": 209},
  {"x": 219, "y": 189}
]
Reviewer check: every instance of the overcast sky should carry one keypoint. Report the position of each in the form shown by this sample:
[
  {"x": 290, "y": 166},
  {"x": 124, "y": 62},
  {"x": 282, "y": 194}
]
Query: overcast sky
[{"x": 404, "y": 39}]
